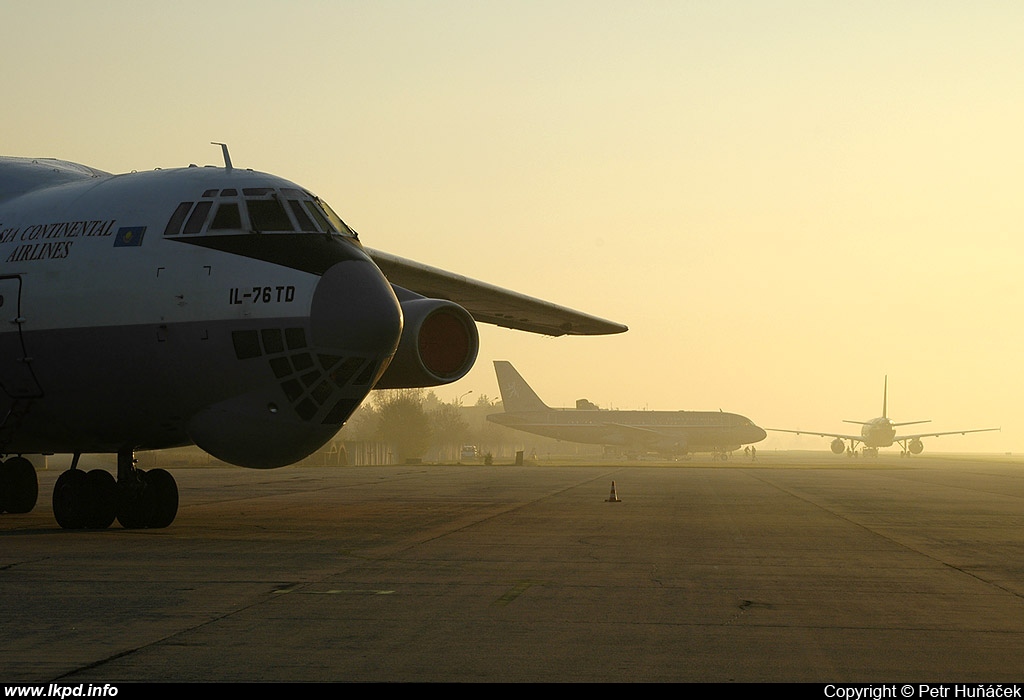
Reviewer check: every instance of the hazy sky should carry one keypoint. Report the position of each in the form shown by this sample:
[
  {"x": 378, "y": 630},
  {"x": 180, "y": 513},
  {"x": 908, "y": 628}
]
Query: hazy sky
[{"x": 785, "y": 201}]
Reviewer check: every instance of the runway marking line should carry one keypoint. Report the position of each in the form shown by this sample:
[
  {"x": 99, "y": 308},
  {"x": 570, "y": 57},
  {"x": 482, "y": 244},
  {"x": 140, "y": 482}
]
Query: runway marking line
[
  {"x": 516, "y": 591},
  {"x": 334, "y": 591}
]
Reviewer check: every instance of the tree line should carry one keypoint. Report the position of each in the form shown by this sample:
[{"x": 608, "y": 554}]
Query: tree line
[{"x": 417, "y": 424}]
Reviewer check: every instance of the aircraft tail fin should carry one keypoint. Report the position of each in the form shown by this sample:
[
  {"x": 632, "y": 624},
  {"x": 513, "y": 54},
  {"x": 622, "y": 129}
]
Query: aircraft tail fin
[
  {"x": 516, "y": 394},
  {"x": 885, "y": 392}
]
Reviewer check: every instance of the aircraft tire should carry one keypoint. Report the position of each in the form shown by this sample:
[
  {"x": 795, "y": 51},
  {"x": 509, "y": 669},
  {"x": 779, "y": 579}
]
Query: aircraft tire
[
  {"x": 18, "y": 485},
  {"x": 161, "y": 498},
  {"x": 131, "y": 508},
  {"x": 102, "y": 495},
  {"x": 71, "y": 500}
]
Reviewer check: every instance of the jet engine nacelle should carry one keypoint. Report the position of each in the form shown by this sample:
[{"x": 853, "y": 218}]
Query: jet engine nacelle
[
  {"x": 838, "y": 446},
  {"x": 915, "y": 446},
  {"x": 438, "y": 346}
]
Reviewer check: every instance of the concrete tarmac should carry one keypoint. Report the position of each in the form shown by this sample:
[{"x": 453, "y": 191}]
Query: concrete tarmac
[{"x": 799, "y": 567}]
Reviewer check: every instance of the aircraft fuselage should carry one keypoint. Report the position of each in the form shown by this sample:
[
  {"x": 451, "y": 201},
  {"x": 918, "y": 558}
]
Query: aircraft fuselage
[
  {"x": 215, "y": 306},
  {"x": 669, "y": 432},
  {"x": 878, "y": 432}
]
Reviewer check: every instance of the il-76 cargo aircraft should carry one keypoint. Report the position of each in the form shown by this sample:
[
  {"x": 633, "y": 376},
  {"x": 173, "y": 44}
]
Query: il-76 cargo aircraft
[
  {"x": 214, "y": 306},
  {"x": 881, "y": 432}
]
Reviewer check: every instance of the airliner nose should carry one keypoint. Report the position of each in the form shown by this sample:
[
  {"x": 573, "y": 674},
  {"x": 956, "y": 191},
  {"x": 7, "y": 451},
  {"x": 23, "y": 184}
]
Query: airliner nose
[{"x": 355, "y": 310}]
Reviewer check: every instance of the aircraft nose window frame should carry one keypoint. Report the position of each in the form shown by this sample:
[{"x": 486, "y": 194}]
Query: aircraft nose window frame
[{"x": 259, "y": 210}]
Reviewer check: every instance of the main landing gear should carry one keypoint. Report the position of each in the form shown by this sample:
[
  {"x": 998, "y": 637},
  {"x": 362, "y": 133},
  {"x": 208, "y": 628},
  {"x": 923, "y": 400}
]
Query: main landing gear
[
  {"x": 93, "y": 499},
  {"x": 19, "y": 488}
]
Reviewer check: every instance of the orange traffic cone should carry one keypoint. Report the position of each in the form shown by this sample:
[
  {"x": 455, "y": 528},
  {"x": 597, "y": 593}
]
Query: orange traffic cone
[{"x": 612, "y": 497}]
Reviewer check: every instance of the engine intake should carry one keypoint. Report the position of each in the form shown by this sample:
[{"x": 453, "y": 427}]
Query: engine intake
[{"x": 439, "y": 344}]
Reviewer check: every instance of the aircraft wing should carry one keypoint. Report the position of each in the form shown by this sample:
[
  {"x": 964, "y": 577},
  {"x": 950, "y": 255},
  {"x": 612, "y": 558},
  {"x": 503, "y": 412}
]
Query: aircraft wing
[
  {"x": 899, "y": 438},
  {"x": 858, "y": 438},
  {"x": 635, "y": 435},
  {"x": 488, "y": 303},
  {"x": 635, "y": 432}
]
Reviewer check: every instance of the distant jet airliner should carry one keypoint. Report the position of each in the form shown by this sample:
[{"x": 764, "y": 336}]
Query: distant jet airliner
[
  {"x": 215, "y": 306},
  {"x": 881, "y": 432},
  {"x": 667, "y": 432}
]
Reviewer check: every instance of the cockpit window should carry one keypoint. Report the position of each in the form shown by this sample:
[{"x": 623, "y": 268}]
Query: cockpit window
[
  {"x": 319, "y": 215},
  {"x": 227, "y": 217},
  {"x": 263, "y": 210},
  {"x": 177, "y": 219},
  {"x": 268, "y": 215},
  {"x": 301, "y": 217},
  {"x": 198, "y": 218},
  {"x": 339, "y": 225}
]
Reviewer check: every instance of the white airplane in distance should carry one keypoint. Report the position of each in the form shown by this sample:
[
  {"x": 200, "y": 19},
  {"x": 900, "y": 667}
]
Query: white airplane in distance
[
  {"x": 667, "y": 432},
  {"x": 880, "y": 432},
  {"x": 215, "y": 306}
]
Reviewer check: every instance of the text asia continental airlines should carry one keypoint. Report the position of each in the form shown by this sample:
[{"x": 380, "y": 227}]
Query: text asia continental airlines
[{"x": 214, "y": 306}]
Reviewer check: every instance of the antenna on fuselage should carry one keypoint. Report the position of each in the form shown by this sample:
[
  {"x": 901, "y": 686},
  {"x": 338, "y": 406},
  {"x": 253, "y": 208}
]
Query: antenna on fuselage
[{"x": 227, "y": 156}]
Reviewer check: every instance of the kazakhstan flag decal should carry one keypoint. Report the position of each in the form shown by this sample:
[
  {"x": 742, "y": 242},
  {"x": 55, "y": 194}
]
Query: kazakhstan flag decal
[{"x": 129, "y": 236}]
